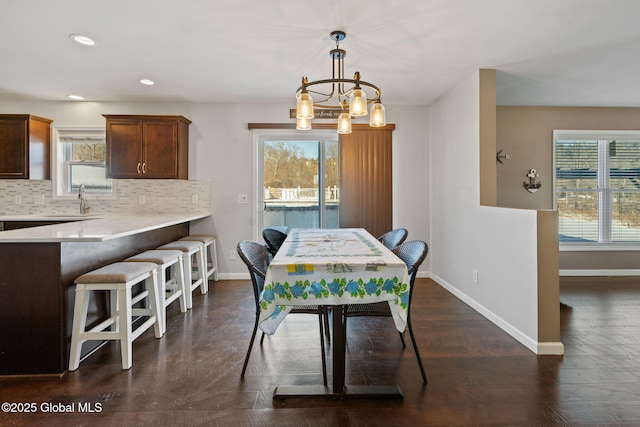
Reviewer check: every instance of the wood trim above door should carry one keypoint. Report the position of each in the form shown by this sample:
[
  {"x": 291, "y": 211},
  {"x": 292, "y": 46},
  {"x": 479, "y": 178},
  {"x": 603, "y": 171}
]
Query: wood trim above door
[{"x": 322, "y": 126}]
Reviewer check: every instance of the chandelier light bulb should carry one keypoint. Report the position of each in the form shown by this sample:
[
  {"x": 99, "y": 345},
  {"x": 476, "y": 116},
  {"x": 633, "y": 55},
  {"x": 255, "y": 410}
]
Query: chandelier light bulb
[
  {"x": 304, "y": 107},
  {"x": 358, "y": 103},
  {"x": 344, "y": 123},
  {"x": 378, "y": 117}
]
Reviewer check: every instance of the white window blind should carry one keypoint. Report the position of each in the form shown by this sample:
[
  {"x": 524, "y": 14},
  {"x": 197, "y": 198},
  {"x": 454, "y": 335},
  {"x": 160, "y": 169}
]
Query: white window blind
[{"x": 597, "y": 182}]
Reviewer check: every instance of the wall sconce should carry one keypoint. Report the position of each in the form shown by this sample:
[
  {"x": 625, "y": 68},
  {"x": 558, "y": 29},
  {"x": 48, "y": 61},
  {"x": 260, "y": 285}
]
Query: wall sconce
[
  {"x": 533, "y": 185},
  {"x": 500, "y": 156}
]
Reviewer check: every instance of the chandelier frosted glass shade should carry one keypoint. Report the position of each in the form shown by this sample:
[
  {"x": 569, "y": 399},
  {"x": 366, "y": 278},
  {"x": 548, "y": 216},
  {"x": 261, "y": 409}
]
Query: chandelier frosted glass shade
[
  {"x": 378, "y": 116},
  {"x": 304, "y": 106},
  {"x": 303, "y": 124},
  {"x": 338, "y": 95},
  {"x": 344, "y": 123},
  {"x": 358, "y": 103}
]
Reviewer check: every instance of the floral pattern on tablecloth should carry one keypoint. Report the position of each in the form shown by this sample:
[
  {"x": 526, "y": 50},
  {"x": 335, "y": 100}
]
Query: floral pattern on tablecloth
[{"x": 336, "y": 291}]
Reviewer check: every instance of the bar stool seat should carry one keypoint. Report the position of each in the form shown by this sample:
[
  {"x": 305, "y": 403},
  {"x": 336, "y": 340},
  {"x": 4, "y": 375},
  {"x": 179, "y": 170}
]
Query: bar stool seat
[
  {"x": 191, "y": 251},
  {"x": 171, "y": 280},
  {"x": 210, "y": 254},
  {"x": 118, "y": 279}
]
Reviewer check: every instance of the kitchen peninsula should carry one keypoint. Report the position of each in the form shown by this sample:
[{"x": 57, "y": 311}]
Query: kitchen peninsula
[{"x": 38, "y": 266}]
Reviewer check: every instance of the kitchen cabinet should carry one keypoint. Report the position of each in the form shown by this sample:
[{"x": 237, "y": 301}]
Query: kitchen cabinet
[
  {"x": 150, "y": 147},
  {"x": 25, "y": 144}
]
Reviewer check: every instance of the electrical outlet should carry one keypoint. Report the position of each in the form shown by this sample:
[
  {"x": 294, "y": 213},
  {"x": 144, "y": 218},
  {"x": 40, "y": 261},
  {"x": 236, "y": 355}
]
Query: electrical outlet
[
  {"x": 243, "y": 198},
  {"x": 141, "y": 200},
  {"x": 17, "y": 200},
  {"x": 194, "y": 199},
  {"x": 475, "y": 276},
  {"x": 232, "y": 254},
  {"x": 38, "y": 200}
]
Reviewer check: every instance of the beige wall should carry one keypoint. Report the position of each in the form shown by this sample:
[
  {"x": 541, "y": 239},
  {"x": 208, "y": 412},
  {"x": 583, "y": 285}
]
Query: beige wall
[{"x": 526, "y": 134}]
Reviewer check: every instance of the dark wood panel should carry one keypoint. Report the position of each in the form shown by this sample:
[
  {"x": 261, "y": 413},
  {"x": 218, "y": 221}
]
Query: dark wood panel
[
  {"x": 124, "y": 149},
  {"x": 25, "y": 144},
  {"x": 30, "y": 304},
  {"x": 366, "y": 180}
]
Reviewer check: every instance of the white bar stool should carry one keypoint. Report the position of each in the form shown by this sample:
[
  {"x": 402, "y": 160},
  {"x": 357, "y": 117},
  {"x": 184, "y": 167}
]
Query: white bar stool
[
  {"x": 118, "y": 279},
  {"x": 210, "y": 253},
  {"x": 171, "y": 280},
  {"x": 191, "y": 251}
]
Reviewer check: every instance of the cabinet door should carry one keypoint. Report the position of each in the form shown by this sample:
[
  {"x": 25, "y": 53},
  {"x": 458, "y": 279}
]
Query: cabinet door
[
  {"x": 13, "y": 146},
  {"x": 160, "y": 145},
  {"x": 124, "y": 149}
]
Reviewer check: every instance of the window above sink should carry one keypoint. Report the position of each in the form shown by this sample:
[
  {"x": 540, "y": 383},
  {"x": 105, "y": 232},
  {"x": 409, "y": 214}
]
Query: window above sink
[{"x": 78, "y": 157}]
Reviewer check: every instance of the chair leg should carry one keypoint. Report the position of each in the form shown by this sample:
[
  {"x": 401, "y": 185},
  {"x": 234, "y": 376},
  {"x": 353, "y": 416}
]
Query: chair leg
[
  {"x": 321, "y": 318},
  {"x": 402, "y": 339},
  {"x": 327, "y": 330},
  {"x": 246, "y": 359},
  {"x": 415, "y": 347}
]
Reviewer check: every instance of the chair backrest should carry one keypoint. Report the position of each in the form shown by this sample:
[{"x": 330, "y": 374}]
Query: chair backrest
[
  {"x": 413, "y": 253},
  {"x": 274, "y": 239},
  {"x": 393, "y": 238},
  {"x": 256, "y": 257}
]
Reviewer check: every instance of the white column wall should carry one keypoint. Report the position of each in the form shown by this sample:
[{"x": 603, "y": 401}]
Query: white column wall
[{"x": 500, "y": 244}]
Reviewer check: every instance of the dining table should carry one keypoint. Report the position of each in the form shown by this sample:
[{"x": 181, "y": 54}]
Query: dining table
[{"x": 334, "y": 268}]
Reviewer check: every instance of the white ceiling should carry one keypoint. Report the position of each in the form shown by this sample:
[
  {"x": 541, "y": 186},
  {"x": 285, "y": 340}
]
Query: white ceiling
[{"x": 547, "y": 52}]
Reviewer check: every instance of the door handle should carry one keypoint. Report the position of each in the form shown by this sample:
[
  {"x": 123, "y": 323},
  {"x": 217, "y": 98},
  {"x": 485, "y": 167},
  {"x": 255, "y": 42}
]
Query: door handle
[
  {"x": 138, "y": 168},
  {"x": 144, "y": 168}
]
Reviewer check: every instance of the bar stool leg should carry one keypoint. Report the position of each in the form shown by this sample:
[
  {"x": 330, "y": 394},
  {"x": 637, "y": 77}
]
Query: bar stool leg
[
  {"x": 182, "y": 299},
  {"x": 79, "y": 323},
  {"x": 214, "y": 259},
  {"x": 201, "y": 264},
  {"x": 124, "y": 302},
  {"x": 154, "y": 298}
]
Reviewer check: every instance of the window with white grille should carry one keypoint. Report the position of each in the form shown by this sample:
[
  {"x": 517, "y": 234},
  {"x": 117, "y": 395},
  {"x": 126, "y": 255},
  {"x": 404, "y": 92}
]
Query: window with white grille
[{"x": 597, "y": 186}]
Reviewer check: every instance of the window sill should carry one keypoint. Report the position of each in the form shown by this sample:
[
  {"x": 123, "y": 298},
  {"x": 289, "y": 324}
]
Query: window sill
[{"x": 599, "y": 247}]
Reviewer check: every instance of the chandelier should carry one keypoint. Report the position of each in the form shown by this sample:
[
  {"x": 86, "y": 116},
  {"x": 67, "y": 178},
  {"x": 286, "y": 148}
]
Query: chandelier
[{"x": 337, "y": 95}]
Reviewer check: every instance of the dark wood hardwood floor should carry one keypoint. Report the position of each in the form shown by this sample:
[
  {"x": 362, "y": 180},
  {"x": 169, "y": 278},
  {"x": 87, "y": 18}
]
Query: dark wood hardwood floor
[{"x": 478, "y": 375}]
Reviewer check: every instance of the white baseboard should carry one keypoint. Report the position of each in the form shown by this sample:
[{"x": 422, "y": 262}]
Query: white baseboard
[
  {"x": 234, "y": 276},
  {"x": 530, "y": 343},
  {"x": 599, "y": 273}
]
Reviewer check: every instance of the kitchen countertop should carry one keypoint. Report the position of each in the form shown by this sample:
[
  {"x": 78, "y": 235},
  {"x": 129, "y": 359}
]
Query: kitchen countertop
[{"x": 92, "y": 227}]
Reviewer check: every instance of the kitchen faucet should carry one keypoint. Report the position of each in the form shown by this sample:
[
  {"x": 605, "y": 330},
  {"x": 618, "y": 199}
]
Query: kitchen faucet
[{"x": 84, "y": 205}]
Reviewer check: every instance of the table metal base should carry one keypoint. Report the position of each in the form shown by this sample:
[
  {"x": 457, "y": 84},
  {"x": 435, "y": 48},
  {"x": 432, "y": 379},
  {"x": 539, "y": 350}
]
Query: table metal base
[{"x": 350, "y": 392}]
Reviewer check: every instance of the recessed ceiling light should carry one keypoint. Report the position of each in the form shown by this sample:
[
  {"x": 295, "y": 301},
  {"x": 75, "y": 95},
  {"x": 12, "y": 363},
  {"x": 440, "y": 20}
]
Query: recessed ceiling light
[
  {"x": 79, "y": 38},
  {"x": 147, "y": 82},
  {"x": 76, "y": 97}
]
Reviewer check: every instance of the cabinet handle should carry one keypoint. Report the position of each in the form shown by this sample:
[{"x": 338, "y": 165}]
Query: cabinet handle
[
  {"x": 144, "y": 168},
  {"x": 138, "y": 168}
]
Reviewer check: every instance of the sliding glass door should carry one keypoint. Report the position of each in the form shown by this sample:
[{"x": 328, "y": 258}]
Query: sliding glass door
[{"x": 298, "y": 182}]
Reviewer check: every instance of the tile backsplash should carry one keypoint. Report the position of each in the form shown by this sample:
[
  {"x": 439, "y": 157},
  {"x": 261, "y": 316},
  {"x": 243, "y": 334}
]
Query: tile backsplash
[{"x": 160, "y": 196}]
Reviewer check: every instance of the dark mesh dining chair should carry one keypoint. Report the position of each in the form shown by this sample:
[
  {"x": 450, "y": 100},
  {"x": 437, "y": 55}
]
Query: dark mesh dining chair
[
  {"x": 393, "y": 238},
  {"x": 413, "y": 253},
  {"x": 256, "y": 257},
  {"x": 274, "y": 239}
]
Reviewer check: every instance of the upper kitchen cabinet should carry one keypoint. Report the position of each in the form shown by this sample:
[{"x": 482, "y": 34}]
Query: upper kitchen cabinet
[
  {"x": 25, "y": 147},
  {"x": 147, "y": 146}
]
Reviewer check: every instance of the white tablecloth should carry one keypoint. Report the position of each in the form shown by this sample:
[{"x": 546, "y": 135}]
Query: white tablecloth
[{"x": 333, "y": 267}]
